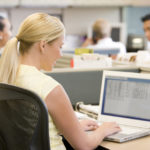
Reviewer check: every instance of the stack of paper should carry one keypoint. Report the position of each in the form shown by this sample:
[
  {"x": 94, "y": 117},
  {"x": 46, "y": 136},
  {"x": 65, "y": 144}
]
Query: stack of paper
[{"x": 91, "y": 61}]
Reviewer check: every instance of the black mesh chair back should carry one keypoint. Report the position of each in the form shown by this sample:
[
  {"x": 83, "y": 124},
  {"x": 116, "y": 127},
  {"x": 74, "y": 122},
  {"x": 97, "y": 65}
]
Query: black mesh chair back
[{"x": 23, "y": 120}]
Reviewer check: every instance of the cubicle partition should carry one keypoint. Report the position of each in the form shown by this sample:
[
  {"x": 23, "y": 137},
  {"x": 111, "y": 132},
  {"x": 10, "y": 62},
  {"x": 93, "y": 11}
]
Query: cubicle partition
[{"x": 83, "y": 85}]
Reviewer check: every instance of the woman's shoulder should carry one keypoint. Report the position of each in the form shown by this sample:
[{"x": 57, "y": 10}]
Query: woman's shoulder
[
  {"x": 47, "y": 78},
  {"x": 35, "y": 80},
  {"x": 32, "y": 74}
]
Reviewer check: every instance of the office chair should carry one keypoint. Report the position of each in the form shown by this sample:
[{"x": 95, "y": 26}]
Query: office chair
[{"x": 23, "y": 120}]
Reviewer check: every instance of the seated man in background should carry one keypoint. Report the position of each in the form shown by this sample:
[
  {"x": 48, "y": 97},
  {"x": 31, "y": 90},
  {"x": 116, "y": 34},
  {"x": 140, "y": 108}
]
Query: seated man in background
[
  {"x": 146, "y": 26},
  {"x": 5, "y": 32},
  {"x": 101, "y": 37}
]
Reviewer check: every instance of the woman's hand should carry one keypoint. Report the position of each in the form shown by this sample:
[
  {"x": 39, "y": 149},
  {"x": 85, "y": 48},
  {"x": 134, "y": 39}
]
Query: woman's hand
[
  {"x": 88, "y": 125},
  {"x": 109, "y": 128}
]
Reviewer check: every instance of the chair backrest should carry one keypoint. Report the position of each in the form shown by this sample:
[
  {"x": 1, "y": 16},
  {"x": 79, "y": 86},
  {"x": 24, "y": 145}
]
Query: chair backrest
[{"x": 23, "y": 120}]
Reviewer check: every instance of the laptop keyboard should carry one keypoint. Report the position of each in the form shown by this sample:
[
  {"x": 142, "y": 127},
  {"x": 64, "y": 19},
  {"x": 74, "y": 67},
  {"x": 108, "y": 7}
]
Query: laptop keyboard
[
  {"x": 128, "y": 130},
  {"x": 117, "y": 135}
]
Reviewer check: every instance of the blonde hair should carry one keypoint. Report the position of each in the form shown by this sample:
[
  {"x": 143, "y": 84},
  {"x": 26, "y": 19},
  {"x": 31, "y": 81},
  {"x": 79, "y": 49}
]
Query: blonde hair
[
  {"x": 36, "y": 27},
  {"x": 101, "y": 28}
]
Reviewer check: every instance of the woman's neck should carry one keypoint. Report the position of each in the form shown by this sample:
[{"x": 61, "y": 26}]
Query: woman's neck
[{"x": 31, "y": 58}]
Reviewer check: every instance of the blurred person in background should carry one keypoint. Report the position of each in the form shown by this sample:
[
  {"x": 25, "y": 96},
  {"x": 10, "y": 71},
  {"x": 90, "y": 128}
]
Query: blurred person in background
[
  {"x": 146, "y": 26},
  {"x": 5, "y": 32},
  {"x": 101, "y": 32}
]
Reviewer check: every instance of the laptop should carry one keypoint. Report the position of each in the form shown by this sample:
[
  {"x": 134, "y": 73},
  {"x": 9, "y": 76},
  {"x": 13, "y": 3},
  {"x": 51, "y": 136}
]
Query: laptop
[{"x": 125, "y": 99}]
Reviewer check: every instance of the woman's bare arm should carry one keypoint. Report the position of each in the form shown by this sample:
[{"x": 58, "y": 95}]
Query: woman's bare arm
[{"x": 67, "y": 123}]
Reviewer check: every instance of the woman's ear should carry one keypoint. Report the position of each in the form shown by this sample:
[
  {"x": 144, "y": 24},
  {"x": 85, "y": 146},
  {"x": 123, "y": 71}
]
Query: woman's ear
[{"x": 42, "y": 45}]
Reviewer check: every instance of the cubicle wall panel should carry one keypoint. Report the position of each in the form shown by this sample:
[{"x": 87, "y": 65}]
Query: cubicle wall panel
[{"x": 80, "y": 86}]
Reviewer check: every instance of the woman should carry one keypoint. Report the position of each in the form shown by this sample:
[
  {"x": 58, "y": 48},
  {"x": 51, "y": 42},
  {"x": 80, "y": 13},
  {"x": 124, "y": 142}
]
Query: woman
[
  {"x": 5, "y": 31},
  {"x": 37, "y": 46}
]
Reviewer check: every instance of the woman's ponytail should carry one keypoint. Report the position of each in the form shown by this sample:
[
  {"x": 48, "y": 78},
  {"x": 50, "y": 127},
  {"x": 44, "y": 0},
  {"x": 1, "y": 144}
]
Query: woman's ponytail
[{"x": 9, "y": 62}]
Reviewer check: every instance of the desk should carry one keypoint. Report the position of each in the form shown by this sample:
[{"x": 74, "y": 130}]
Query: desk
[{"x": 137, "y": 144}]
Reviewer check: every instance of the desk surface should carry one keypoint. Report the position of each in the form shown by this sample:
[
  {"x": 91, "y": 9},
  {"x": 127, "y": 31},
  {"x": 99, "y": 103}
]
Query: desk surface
[{"x": 137, "y": 144}]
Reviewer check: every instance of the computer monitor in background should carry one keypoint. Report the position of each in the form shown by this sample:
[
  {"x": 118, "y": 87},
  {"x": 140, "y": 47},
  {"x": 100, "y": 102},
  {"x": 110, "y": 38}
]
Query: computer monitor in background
[
  {"x": 115, "y": 34},
  {"x": 135, "y": 43},
  {"x": 118, "y": 32}
]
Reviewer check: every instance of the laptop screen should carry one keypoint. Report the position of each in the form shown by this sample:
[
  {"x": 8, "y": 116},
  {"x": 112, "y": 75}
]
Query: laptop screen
[{"x": 126, "y": 97}]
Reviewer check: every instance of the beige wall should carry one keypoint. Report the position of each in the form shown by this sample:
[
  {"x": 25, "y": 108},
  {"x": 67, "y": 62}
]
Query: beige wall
[{"x": 77, "y": 20}]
